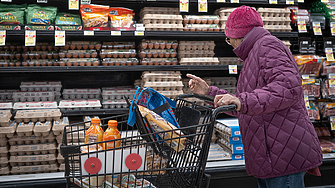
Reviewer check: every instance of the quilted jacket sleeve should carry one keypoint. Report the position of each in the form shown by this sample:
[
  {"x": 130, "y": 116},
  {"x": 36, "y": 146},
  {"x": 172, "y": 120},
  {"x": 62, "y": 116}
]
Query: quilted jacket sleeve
[
  {"x": 216, "y": 91},
  {"x": 282, "y": 81}
]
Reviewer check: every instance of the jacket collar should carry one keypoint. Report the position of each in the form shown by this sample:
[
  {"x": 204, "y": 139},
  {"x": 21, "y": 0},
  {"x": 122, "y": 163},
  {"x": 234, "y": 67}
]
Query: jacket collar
[{"x": 249, "y": 40}]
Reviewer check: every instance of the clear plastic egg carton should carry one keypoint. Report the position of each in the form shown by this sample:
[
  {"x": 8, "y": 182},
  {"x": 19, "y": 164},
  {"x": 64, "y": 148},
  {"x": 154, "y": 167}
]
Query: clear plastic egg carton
[
  {"x": 85, "y": 93},
  {"x": 118, "y": 93},
  {"x": 161, "y": 76},
  {"x": 40, "y": 62},
  {"x": 58, "y": 125},
  {"x": 160, "y": 53},
  {"x": 34, "y": 169},
  {"x": 41, "y": 86},
  {"x": 164, "y": 27},
  {"x": 31, "y": 149},
  {"x": 19, "y": 140},
  {"x": 189, "y": 54},
  {"x": 3, "y": 162},
  {"x": 37, "y": 115},
  {"x": 196, "y": 46},
  {"x": 199, "y": 61},
  {"x": 40, "y": 55},
  {"x": 11, "y": 47},
  {"x": 196, "y": 19},
  {"x": 6, "y": 55},
  {"x": 78, "y": 54},
  {"x": 41, "y": 46},
  {"x": 274, "y": 12},
  {"x": 28, "y": 160},
  {"x": 119, "y": 61},
  {"x": 6, "y": 94},
  {"x": 158, "y": 44},
  {"x": 82, "y": 45},
  {"x": 166, "y": 86},
  {"x": 276, "y": 20},
  {"x": 117, "y": 53},
  {"x": 79, "y": 62},
  {"x": 202, "y": 27},
  {"x": 118, "y": 45},
  {"x": 3, "y": 151},
  {"x": 278, "y": 28},
  {"x": 23, "y": 96},
  {"x": 162, "y": 19},
  {"x": 89, "y": 104},
  {"x": 158, "y": 61},
  {"x": 42, "y": 128},
  {"x": 4, "y": 170},
  {"x": 8, "y": 130},
  {"x": 25, "y": 129},
  {"x": 230, "y": 61},
  {"x": 159, "y": 10},
  {"x": 223, "y": 81},
  {"x": 114, "y": 104},
  {"x": 5, "y": 116}
]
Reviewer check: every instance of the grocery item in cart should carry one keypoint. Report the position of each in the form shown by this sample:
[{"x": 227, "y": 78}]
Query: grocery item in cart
[
  {"x": 94, "y": 134},
  {"x": 63, "y": 18},
  {"x": 36, "y": 14},
  {"x": 94, "y": 15},
  {"x": 121, "y": 18},
  {"x": 112, "y": 133}
]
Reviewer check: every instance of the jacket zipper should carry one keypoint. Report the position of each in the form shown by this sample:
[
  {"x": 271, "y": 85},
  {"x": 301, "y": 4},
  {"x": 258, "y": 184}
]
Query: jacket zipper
[{"x": 266, "y": 145}]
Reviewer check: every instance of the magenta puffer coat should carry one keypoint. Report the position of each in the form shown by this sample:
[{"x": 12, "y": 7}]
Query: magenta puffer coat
[{"x": 277, "y": 135}]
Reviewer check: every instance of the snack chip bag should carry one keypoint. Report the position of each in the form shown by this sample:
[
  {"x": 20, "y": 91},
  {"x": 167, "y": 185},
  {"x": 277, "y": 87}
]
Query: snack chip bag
[
  {"x": 94, "y": 15},
  {"x": 121, "y": 17}
]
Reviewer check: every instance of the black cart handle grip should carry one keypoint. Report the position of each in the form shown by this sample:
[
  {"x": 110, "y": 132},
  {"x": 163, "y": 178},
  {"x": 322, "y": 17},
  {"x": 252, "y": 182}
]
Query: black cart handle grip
[{"x": 206, "y": 98}]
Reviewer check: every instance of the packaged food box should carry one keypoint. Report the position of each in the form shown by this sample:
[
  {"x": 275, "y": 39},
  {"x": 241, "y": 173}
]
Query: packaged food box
[
  {"x": 158, "y": 61},
  {"x": 4, "y": 170},
  {"x": 309, "y": 64},
  {"x": 34, "y": 115},
  {"x": 3, "y": 151},
  {"x": 34, "y": 169},
  {"x": 79, "y": 62},
  {"x": 158, "y": 44},
  {"x": 199, "y": 61},
  {"x": 22, "y": 96},
  {"x": 3, "y": 162},
  {"x": 119, "y": 61},
  {"x": 82, "y": 45},
  {"x": 8, "y": 130},
  {"x": 78, "y": 54},
  {"x": 29, "y": 160},
  {"x": 118, "y": 45},
  {"x": 85, "y": 93},
  {"x": 41, "y": 86},
  {"x": 158, "y": 53},
  {"x": 25, "y": 129},
  {"x": 20, "y": 140},
  {"x": 5, "y": 116},
  {"x": 42, "y": 129},
  {"x": 33, "y": 149},
  {"x": 125, "y": 53},
  {"x": 58, "y": 126}
]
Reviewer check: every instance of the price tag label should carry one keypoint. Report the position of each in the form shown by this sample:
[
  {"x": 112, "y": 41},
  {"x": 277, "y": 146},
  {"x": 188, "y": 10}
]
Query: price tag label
[
  {"x": 329, "y": 54},
  {"x": 85, "y": 1},
  {"x": 290, "y": 2},
  {"x": 324, "y": 1},
  {"x": 305, "y": 76},
  {"x": 89, "y": 33},
  {"x": 183, "y": 5},
  {"x": 235, "y": 1},
  {"x": 2, "y": 37},
  {"x": 220, "y": 1},
  {"x": 273, "y": 2},
  {"x": 232, "y": 69},
  {"x": 59, "y": 38},
  {"x": 6, "y": 0},
  {"x": 139, "y": 33},
  {"x": 73, "y": 4},
  {"x": 306, "y": 102},
  {"x": 332, "y": 28},
  {"x": 202, "y": 5},
  {"x": 332, "y": 123},
  {"x": 317, "y": 28},
  {"x": 116, "y": 33},
  {"x": 302, "y": 26},
  {"x": 30, "y": 38},
  {"x": 301, "y": 1},
  {"x": 42, "y": 1}
]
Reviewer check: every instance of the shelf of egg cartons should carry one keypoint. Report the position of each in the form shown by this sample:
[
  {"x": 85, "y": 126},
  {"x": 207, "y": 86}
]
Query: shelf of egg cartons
[
  {"x": 158, "y": 52},
  {"x": 7, "y": 129},
  {"x": 38, "y": 91},
  {"x": 10, "y": 55},
  {"x": 186, "y": 89},
  {"x": 276, "y": 19},
  {"x": 201, "y": 23},
  {"x": 118, "y": 53},
  {"x": 6, "y": 95},
  {"x": 113, "y": 97},
  {"x": 187, "y": 49},
  {"x": 79, "y": 53},
  {"x": 167, "y": 83},
  {"x": 161, "y": 19}
]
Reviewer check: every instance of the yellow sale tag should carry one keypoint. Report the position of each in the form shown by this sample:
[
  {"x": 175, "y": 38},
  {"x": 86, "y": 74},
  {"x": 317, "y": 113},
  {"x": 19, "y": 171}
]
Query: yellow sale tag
[
  {"x": 317, "y": 28},
  {"x": 183, "y": 6},
  {"x": 202, "y": 5},
  {"x": 2, "y": 37},
  {"x": 30, "y": 38},
  {"x": 301, "y": 1},
  {"x": 273, "y": 2},
  {"x": 332, "y": 123},
  {"x": 302, "y": 26},
  {"x": 116, "y": 33},
  {"x": 324, "y": 1},
  {"x": 73, "y": 4},
  {"x": 235, "y": 1},
  {"x": 290, "y": 2},
  {"x": 139, "y": 33},
  {"x": 329, "y": 54},
  {"x": 220, "y": 1},
  {"x": 232, "y": 69},
  {"x": 89, "y": 33},
  {"x": 332, "y": 28},
  {"x": 307, "y": 102},
  {"x": 59, "y": 38}
]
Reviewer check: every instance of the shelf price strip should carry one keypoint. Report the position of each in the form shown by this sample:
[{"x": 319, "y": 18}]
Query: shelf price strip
[
  {"x": 329, "y": 54},
  {"x": 317, "y": 28},
  {"x": 332, "y": 28},
  {"x": 232, "y": 69},
  {"x": 73, "y": 4},
  {"x": 2, "y": 37},
  {"x": 302, "y": 26},
  {"x": 183, "y": 5},
  {"x": 202, "y": 6},
  {"x": 30, "y": 38},
  {"x": 59, "y": 38}
]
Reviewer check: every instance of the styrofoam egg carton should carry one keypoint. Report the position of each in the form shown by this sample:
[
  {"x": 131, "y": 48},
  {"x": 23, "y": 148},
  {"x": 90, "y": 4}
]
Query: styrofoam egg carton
[
  {"x": 3, "y": 162},
  {"x": 42, "y": 129},
  {"x": 22, "y": 96},
  {"x": 41, "y": 86},
  {"x": 3, "y": 151},
  {"x": 199, "y": 61},
  {"x": 6, "y": 94},
  {"x": 5, "y": 116},
  {"x": 172, "y": 85},
  {"x": 34, "y": 169},
  {"x": 34, "y": 105},
  {"x": 117, "y": 93},
  {"x": 19, "y": 140},
  {"x": 87, "y": 93},
  {"x": 25, "y": 129},
  {"x": 58, "y": 126},
  {"x": 6, "y": 105},
  {"x": 33, "y": 149},
  {"x": 114, "y": 104},
  {"x": 41, "y": 115},
  {"x": 89, "y": 104},
  {"x": 8, "y": 130}
]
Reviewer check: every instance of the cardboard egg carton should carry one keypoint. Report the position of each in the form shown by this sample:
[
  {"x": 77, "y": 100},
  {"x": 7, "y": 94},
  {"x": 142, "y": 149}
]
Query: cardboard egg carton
[
  {"x": 199, "y": 61},
  {"x": 119, "y": 61},
  {"x": 4, "y": 170},
  {"x": 37, "y": 115},
  {"x": 172, "y": 85},
  {"x": 158, "y": 61},
  {"x": 35, "y": 105},
  {"x": 287, "y": 43},
  {"x": 6, "y": 94},
  {"x": 39, "y": 55},
  {"x": 158, "y": 44},
  {"x": 42, "y": 129},
  {"x": 79, "y": 62},
  {"x": 157, "y": 53},
  {"x": 196, "y": 45},
  {"x": 276, "y": 20},
  {"x": 6, "y": 105},
  {"x": 205, "y": 19},
  {"x": 118, "y": 92},
  {"x": 161, "y": 76},
  {"x": 164, "y": 27},
  {"x": 60, "y": 158},
  {"x": 85, "y": 93},
  {"x": 3, "y": 141},
  {"x": 8, "y": 130},
  {"x": 34, "y": 169},
  {"x": 162, "y": 19},
  {"x": 195, "y": 53},
  {"x": 3, "y": 161},
  {"x": 25, "y": 129},
  {"x": 20, "y": 140},
  {"x": 41, "y": 86},
  {"x": 75, "y": 134},
  {"x": 33, "y": 149},
  {"x": 78, "y": 54},
  {"x": 278, "y": 28},
  {"x": 114, "y": 104},
  {"x": 58, "y": 125},
  {"x": 158, "y": 10},
  {"x": 61, "y": 167},
  {"x": 89, "y": 104},
  {"x": 230, "y": 61},
  {"x": 3, "y": 151},
  {"x": 28, "y": 160},
  {"x": 274, "y": 12},
  {"x": 5, "y": 116},
  {"x": 22, "y": 96}
]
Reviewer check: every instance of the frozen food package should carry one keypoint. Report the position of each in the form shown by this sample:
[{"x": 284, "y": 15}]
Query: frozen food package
[
  {"x": 94, "y": 15},
  {"x": 36, "y": 14},
  {"x": 309, "y": 64},
  {"x": 121, "y": 17},
  {"x": 63, "y": 18}
]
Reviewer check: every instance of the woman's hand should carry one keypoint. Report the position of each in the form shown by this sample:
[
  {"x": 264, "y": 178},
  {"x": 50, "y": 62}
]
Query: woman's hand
[
  {"x": 198, "y": 85},
  {"x": 227, "y": 99}
]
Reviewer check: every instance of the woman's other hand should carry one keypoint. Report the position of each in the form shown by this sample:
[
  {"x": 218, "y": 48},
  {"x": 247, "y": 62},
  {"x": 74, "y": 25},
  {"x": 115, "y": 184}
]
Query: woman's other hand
[
  {"x": 198, "y": 85},
  {"x": 227, "y": 99}
]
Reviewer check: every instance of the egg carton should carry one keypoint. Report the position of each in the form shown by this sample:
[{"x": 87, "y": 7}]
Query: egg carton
[
  {"x": 164, "y": 27},
  {"x": 89, "y": 104},
  {"x": 79, "y": 62},
  {"x": 117, "y": 93},
  {"x": 158, "y": 44},
  {"x": 196, "y": 45},
  {"x": 278, "y": 28},
  {"x": 161, "y": 76},
  {"x": 202, "y": 27},
  {"x": 78, "y": 54},
  {"x": 82, "y": 45},
  {"x": 119, "y": 61},
  {"x": 274, "y": 12},
  {"x": 25, "y": 129},
  {"x": 162, "y": 19},
  {"x": 158, "y": 10},
  {"x": 224, "y": 11},
  {"x": 199, "y": 61},
  {"x": 61, "y": 167},
  {"x": 34, "y": 169},
  {"x": 287, "y": 43},
  {"x": 20, "y": 140},
  {"x": 196, "y": 19},
  {"x": 118, "y": 45},
  {"x": 116, "y": 53},
  {"x": 11, "y": 46},
  {"x": 33, "y": 149},
  {"x": 41, "y": 86},
  {"x": 158, "y": 61},
  {"x": 41, "y": 46},
  {"x": 3, "y": 162},
  {"x": 8, "y": 130},
  {"x": 60, "y": 158},
  {"x": 22, "y": 96},
  {"x": 58, "y": 126},
  {"x": 40, "y": 62},
  {"x": 3, "y": 151},
  {"x": 5, "y": 116},
  {"x": 6, "y": 94},
  {"x": 28, "y": 160},
  {"x": 5, "y": 55},
  {"x": 230, "y": 61},
  {"x": 42, "y": 129},
  {"x": 114, "y": 104},
  {"x": 3, "y": 141},
  {"x": 196, "y": 53},
  {"x": 223, "y": 81},
  {"x": 276, "y": 20},
  {"x": 40, "y": 55},
  {"x": 157, "y": 53},
  {"x": 86, "y": 93},
  {"x": 40, "y": 115},
  {"x": 72, "y": 137},
  {"x": 172, "y": 85},
  {"x": 4, "y": 170}
]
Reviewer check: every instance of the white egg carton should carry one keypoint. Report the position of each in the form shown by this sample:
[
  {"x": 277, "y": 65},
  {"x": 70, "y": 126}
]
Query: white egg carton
[
  {"x": 199, "y": 61},
  {"x": 3, "y": 151},
  {"x": 19, "y": 140},
  {"x": 42, "y": 129},
  {"x": 35, "y": 105},
  {"x": 25, "y": 129},
  {"x": 162, "y": 19},
  {"x": 3, "y": 162},
  {"x": 195, "y": 53},
  {"x": 161, "y": 76},
  {"x": 159, "y": 10},
  {"x": 274, "y": 12},
  {"x": 117, "y": 93},
  {"x": 34, "y": 169},
  {"x": 5, "y": 116},
  {"x": 196, "y": 45},
  {"x": 164, "y": 27},
  {"x": 23, "y": 96},
  {"x": 114, "y": 104},
  {"x": 89, "y": 104},
  {"x": 166, "y": 86},
  {"x": 58, "y": 126},
  {"x": 37, "y": 115},
  {"x": 28, "y": 160},
  {"x": 86, "y": 93},
  {"x": 6, "y": 105},
  {"x": 6, "y": 94},
  {"x": 33, "y": 149},
  {"x": 276, "y": 20},
  {"x": 278, "y": 28},
  {"x": 4, "y": 170},
  {"x": 224, "y": 12},
  {"x": 41, "y": 86},
  {"x": 8, "y": 130}
]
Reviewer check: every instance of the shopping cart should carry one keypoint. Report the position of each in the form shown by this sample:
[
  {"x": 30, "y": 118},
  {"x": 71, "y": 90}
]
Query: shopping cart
[{"x": 145, "y": 158}]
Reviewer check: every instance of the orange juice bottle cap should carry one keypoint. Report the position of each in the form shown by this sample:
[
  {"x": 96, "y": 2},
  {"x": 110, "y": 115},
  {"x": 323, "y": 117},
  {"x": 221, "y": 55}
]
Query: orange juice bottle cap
[
  {"x": 95, "y": 120},
  {"x": 112, "y": 123}
]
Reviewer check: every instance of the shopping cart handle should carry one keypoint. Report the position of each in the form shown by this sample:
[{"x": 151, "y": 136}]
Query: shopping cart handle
[
  {"x": 225, "y": 108},
  {"x": 206, "y": 98}
]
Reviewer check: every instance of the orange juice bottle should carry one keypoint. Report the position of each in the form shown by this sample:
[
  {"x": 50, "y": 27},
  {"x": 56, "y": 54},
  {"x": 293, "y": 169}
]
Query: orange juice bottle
[
  {"x": 94, "y": 134},
  {"x": 112, "y": 133}
]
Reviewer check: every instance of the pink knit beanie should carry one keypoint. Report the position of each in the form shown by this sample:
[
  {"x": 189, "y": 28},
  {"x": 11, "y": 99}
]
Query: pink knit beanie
[{"x": 241, "y": 21}]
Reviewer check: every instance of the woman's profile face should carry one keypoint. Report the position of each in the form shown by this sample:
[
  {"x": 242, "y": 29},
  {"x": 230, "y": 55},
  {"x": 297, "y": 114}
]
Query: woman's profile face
[{"x": 234, "y": 42}]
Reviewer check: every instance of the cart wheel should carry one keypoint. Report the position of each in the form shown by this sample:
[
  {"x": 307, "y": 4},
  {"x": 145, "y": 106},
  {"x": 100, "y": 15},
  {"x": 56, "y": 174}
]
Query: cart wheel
[
  {"x": 92, "y": 165},
  {"x": 133, "y": 161}
]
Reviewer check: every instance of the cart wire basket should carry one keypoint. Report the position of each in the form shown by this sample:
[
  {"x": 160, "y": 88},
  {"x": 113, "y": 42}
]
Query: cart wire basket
[{"x": 145, "y": 158}]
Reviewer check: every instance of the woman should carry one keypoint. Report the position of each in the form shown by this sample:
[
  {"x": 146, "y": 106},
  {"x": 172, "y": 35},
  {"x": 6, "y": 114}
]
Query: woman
[{"x": 280, "y": 142}]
